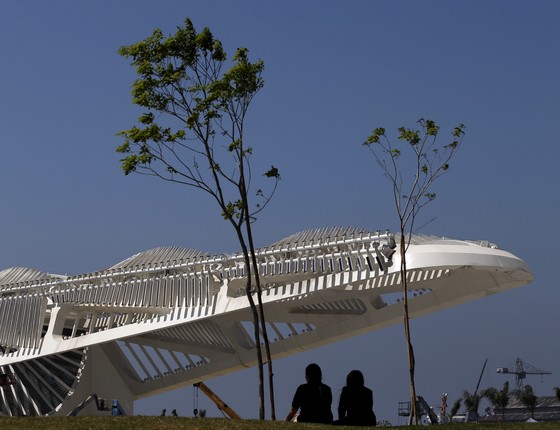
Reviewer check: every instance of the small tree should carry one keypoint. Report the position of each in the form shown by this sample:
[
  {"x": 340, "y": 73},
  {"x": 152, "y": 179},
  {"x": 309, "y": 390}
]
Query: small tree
[
  {"x": 412, "y": 166},
  {"x": 498, "y": 398},
  {"x": 192, "y": 133},
  {"x": 455, "y": 408},
  {"x": 471, "y": 402},
  {"x": 527, "y": 397}
]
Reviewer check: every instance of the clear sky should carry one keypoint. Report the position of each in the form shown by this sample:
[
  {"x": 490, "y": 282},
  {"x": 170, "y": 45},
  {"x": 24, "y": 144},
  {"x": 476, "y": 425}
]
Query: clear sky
[{"x": 334, "y": 71}]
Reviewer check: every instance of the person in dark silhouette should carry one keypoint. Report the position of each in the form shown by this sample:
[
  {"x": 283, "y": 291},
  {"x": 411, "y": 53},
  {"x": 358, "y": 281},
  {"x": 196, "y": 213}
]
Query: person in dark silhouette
[
  {"x": 355, "y": 407},
  {"x": 312, "y": 399},
  {"x": 174, "y": 413},
  {"x": 163, "y": 412}
]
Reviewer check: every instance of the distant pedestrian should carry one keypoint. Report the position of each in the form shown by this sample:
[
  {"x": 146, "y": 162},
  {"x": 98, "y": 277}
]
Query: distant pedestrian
[
  {"x": 163, "y": 413},
  {"x": 174, "y": 412},
  {"x": 355, "y": 407},
  {"x": 313, "y": 399}
]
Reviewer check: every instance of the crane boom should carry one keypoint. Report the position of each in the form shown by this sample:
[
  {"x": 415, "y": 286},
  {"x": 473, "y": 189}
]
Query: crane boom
[
  {"x": 480, "y": 377},
  {"x": 222, "y": 406}
]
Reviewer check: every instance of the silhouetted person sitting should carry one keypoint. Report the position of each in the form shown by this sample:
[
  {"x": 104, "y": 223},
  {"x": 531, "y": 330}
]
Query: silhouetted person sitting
[
  {"x": 312, "y": 399},
  {"x": 355, "y": 407}
]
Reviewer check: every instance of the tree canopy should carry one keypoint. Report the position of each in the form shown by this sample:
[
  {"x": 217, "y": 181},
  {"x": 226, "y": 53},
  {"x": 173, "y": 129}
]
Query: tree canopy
[
  {"x": 199, "y": 140},
  {"x": 528, "y": 397},
  {"x": 498, "y": 398},
  {"x": 413, "y": 163}
]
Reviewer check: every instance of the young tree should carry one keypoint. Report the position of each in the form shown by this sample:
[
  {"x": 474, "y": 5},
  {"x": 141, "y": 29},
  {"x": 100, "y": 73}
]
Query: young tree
[
  {"x": 412, "y": 165},
  {"x": 455, "y": 408},
  {"x": 498, "y": 398},
  {"x": 192, "y": 133},
  {"x": 528, "y": 397},
  {"x": 471, "y": 402}
]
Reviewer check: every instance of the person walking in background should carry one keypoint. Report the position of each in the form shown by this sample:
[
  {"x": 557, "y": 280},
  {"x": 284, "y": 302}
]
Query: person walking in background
[
  {"x": 313, "y": 399},
  {"x": 355, "y": 407}
]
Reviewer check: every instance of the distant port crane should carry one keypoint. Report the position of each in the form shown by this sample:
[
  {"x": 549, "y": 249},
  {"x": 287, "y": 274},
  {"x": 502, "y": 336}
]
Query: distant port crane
[{"x": 521, "y": 369}]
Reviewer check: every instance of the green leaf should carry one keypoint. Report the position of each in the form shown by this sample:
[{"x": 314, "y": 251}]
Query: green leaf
[
  {"x": 124, "y": 148},
  {"x": 233, "y": 210},
  {"x": 272, "y": 173},
  {"x": 431, "y": 127},
  {"x": 128, "y": 164},
  {"x": 459, "y": 130},
  {"x": 234, "y": 145},
  {"x": 409, "y": 135},
  {"x": 147, "y": 118},
  {"x": 430, "y": 196},
  {"x": 205, "y": 40},
  {"x": 375, "y": 136}
]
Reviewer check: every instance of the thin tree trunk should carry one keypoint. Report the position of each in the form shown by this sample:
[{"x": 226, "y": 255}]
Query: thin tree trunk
[
  {"x": 263, "y": 325},
  {"x": 256, "y": 324},
  {"x": 268, "y": 356},
  {"x": 410, "y": 349},
  {"x": 262, "y": 320}
]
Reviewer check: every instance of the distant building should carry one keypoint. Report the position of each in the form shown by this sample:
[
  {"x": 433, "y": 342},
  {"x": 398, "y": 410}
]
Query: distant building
[{"x": 547, "y": 409}]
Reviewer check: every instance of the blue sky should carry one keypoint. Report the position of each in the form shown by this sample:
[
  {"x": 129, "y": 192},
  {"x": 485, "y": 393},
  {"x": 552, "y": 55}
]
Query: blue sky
[{"x": 334, "y": 71}]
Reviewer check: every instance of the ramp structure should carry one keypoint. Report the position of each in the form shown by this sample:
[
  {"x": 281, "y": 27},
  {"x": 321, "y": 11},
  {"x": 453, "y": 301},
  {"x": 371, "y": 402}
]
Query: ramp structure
[{"x": 170, "y": 317}]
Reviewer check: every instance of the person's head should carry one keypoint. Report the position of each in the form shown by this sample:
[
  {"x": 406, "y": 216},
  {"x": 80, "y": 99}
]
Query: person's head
[
  {"x": 355, "y": 379},
  {"x": 313, "y": 374}
]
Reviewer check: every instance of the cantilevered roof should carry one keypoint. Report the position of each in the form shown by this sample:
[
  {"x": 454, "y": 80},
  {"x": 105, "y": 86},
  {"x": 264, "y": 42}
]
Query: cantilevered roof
[{"x": 159, "y": 255}]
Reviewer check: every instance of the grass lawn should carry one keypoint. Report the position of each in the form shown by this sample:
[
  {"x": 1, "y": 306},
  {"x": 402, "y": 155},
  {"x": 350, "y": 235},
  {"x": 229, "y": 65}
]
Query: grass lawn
[{"x": 176, "y": 423}]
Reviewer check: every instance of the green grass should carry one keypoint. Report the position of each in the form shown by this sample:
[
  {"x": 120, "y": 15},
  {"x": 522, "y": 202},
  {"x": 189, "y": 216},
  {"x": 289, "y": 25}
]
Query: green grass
[{"x": 176, "y": 423}]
